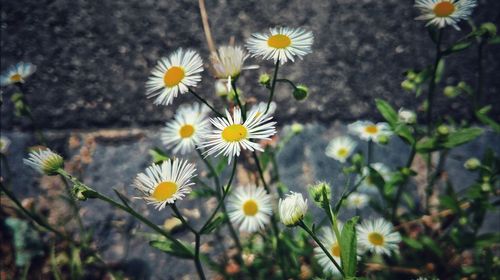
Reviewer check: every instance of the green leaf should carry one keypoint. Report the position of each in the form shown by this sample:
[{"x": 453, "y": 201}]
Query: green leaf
[
  {"x": 389, "y": 114},
  {"x": 215, "y": 223},
  {"x": 158, "y": 155},
  {"x": 414, "y": 244},
  {"x": 202, "y": 192},
  {"x": 462, "y": 136},
  {"x": 173, "y": 249},
  {"x": 432, "y": 245},
  {"x": 440, "y": 70},
  {"x": 458, "y": 47},
  {"x": 495, "y": 40},
  {"x": 123, "y": 198},
  {"x": 487, "y": 239},
  {"x": 221, "y": 165},
  {"x": 481, "y": 115},
  {"x": 348, "y": 247},
  {"x": 403, "y": 131}
]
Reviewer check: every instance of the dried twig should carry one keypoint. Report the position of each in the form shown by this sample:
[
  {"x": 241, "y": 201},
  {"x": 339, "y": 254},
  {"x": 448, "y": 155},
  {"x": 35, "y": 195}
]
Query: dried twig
[{"x": 206, "y": 27}]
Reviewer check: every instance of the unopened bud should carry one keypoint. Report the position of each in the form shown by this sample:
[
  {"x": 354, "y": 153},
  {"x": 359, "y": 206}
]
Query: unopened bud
[
  {"x": 451, "y": 91},
  {"x": 265, "y": 79},
  {"x": 407, "y": 116},
  {"x": 489, "y": 29},
  {"x": 408, "y": 85},
  {"x": 443, "y": 130},
  {"x": 383, "y": 139},
  {"x": 300, "y": 92},
  {"x": 316, "y": 191},
  {"x": 472, "y": 164},
  {"x": 357, "y": 159},
  {"x": 297, "y": 128},
  {"x": 463, "y": 221}
]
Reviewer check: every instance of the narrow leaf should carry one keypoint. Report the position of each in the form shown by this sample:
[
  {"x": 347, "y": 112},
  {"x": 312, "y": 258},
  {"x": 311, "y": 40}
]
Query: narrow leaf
[{"x": 348, "y": 247}]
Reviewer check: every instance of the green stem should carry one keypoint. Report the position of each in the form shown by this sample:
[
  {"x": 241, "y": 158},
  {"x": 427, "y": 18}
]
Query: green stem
[
  {"x": 370, "y": 152},
  {"x": 434, "y": 176},
  {"x": 327, "y": 252},
  {"x": 125, "y": 208},
  {"x": 273, "y": 84},
  {"x": 403, "y": 184},
  {"x": 237, "y": 97},
  {"x": 432, "y": 83},
  {"x": 206, "y": 103},
  {"x": 287, "y": 81},
  {"x": 73, "y": 204},
  {"x": 38, "y": 133},
  {"x": 479, "y": 81},
  {"x": 31, "y": 215}
]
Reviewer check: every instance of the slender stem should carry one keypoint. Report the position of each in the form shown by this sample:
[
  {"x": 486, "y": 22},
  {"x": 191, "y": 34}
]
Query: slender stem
[
  {"x": 370, "y": 152},
  {"x": 479, "y": 81},
  {"x": 238, "y": 101},
  {"x": 206, "y": 103},
  {"x": 287, "y": 81},
  {"x": 179, "y": 215},
  {"x": 31, "y": 215},
  {"x": 327, "y": 252},
  {"x": 432, "y": 83},
  {"x": 273, "y": 84},
  {"x": 435, "y": 175},
  {"x": 38, "y": 133},
  {"x": 403, "y": 184},
  {"x": 197, "y": 262},
  {"x": 261, "y": 172},
  {"x": 73, "y": 204},
  {"x": 125, "y": 208}
]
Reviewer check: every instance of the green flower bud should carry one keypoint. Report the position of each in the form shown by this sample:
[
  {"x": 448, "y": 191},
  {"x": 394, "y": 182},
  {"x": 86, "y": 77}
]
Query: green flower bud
[
  {"x": 45, "y": 162},
  {"x": 451, "y": 91},
  {"x": 383, "y": 139},
  {"x": 83, "y": 192},
  {"x": 486, "y": 187},
  {"x": 411, "y": 75},
  {"x": 316, "y": 191},
  {"x": 406, "y": 171},
  {"x": 300, "y": 92},
  {"x": 357, "y": 159},
  {"x": 472, "y": 164},
  {"x": 489, "y": 29},
  {"x": 408, "y": 85},
  {"x": 297, "y": 128},
  {"x": 443, "y": 130},
  {"x": 265, "y": 79},
  {"x": 463, "y": 221}
]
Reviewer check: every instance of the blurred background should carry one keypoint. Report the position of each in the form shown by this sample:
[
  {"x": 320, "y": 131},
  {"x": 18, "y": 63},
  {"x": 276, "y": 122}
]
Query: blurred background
[{"x": 88, "y": 95}]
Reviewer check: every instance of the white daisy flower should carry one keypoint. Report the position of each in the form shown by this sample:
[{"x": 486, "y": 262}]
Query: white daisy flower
[
  {"x": 377, "y": 236},
  {"x": 367, "y": 130},
  {"x": 292, "y": 208},
  {"x": 231, "y": 134},
  {"x": 357, "y": 200},
  {"x": 441, "y": 13},
  {"x": 164, "y": 184},
  {"x": 329, "y": 240},
  {"x": 184, "y": 132},
  {"x": 228, "y": 61},
  {"x": 260, "y": 109},
  {"x": 368, "y": 185},
  {"x": 45, "y": 161},
  {"x": 174, "y": 75},
  {"x": 341, "y": 148},
  {"x": 250, "y": 207},
  {"x": 17, "y": 73},
  {"x": 281, "y": 43},
  {"x": 4, "y": 144}
]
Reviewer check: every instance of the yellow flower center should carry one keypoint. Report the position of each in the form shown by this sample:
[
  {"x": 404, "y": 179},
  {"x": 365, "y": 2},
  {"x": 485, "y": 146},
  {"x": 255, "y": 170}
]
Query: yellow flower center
[
  {"x": 371, "y": 129},
  {"x": 279, "y": 41},
  {"x": 16, "y": 78},
  {"x": 444, "y": 9},
  {"x": 376, "y": 239},
  {"x": 165, "y": 190},
  {"x": 250, "y": 207},
  {"x": 335, "y": 250},
  {"x": 186, "y": 131},
  {"x": 173, "y": 76},
  {"x": 234, "y": 133},
  {"x": 342, "y": 152}
]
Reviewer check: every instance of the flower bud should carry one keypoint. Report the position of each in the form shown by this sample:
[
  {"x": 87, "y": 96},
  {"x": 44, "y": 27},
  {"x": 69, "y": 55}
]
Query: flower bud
[
  {"x": 4, "y": 144},
  {"x": 300, "y": 92},
  {"x": 411, "y": 75},
  {"x": 486, "y": 187},
  {"x": 407, "y": 116},
  {"x": 489, "y": 29},
  {"x": 472, "y": 164},
  {"x": 451, "y": 91},
  {"x": 463, "y": 221},
  {"x": 82, "y": 192},
  {"x": 443, "y": 130},
  {"x": 383, "y": 139},
  {"x": 292, "y": 208},
  {"x": 357, "y": 159},
  {"x": 408, "y": 85},
  {"x": 265, "y": 79},
  {"x": 316, "y": 192},
  {"x": 297, "y": 128}
]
